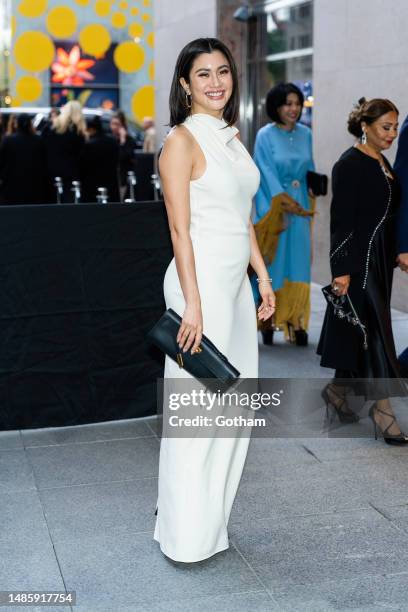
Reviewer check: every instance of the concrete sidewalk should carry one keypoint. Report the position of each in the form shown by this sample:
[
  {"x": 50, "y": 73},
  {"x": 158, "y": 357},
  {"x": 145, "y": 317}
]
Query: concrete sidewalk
[{"x": 318, "y": 524}]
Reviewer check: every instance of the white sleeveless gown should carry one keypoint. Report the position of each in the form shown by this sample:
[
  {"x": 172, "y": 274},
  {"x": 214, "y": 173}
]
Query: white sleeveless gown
[{"x": 199, "y": 477}]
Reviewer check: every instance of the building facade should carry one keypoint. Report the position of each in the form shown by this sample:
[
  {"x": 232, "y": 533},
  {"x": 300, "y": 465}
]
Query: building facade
[{"x": 97, "y": 51}]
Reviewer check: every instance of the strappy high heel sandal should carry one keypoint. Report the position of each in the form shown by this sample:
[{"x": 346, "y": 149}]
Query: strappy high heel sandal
[
  {"x": 396, "y": 439},
  {"x": 339, "y": 403}
]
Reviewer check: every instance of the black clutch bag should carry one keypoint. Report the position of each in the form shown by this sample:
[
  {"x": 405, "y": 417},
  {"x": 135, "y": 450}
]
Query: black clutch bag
[
  {"x": 317, "y": 183},
  {"x": 206, "y": 363},
  {"x": 343, "y": 309}
]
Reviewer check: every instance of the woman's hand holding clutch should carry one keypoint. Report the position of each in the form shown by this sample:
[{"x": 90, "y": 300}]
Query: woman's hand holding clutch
[
  {"x": 191, "y": 328},
  {"x": 341, "y": 284}
]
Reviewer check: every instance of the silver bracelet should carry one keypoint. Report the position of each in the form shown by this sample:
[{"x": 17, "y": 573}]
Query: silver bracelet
[{"x": 263, "y": 280}]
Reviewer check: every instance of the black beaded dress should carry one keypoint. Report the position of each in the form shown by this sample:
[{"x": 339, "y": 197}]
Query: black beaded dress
[{"x": 363, "y": 244}]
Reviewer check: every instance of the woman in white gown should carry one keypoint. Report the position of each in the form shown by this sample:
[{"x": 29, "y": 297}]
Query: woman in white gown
[{"x": 209, "y": 180}]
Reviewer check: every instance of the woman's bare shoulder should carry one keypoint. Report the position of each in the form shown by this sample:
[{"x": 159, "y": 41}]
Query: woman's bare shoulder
[{"x": 179, "y": 138}]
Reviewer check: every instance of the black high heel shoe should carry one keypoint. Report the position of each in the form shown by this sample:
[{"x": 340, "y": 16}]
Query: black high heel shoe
[
  {"x": 301, "y": 337},
  {"x": 297, "y": 336},
  {"x": 267, "y": 337},
  {"x": 395, "y": 439},
  {"x": 339, "y": 403}
]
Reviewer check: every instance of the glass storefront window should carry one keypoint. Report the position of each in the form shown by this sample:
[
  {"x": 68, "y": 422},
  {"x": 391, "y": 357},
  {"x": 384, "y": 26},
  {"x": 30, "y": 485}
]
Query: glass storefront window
[
  {"x": 289, "y": 28},
  {"x": 294, "y": 69},
  {"x": 280, "y": 48}
]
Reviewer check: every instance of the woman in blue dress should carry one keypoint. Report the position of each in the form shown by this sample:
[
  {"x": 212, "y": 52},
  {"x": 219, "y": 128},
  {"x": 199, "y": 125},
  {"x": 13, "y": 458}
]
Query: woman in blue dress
[{"x": 283, "y": 211}]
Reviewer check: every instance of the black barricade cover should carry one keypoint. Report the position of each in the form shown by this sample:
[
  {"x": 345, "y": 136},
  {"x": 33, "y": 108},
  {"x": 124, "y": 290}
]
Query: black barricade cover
[{"x": 80, "y": 287}]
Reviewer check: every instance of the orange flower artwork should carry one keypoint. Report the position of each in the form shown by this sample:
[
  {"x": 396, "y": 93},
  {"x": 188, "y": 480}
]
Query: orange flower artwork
[{"x": 70, "y": 69}]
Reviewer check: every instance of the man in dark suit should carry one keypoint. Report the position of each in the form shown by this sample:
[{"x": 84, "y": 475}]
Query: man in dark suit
[
  {"x": 99, "y": 163},
  {"x": 401, "y": 169}
]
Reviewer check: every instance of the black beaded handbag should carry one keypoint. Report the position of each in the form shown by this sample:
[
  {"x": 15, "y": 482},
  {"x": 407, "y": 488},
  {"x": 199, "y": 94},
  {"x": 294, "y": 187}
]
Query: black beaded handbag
[
  {"x": 343, "y": 309},
  {"x": 207, "y": 362}
]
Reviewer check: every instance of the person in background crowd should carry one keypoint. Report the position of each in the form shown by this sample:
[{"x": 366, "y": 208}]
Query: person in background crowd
[
  {"x": 64, "y": 143},
  {"x": 22, "y": 165},
  {"x": 99, "y": 163},
  {"x": 11, "y": 125},
  {"x": 127, "y": 145},
  {"x": 49, "y": 122},
  {"x": 283, "y": 154},
  {"x": 2, "y": 126},
  {"x": 363, "y": 253},
  {"x": 401, "y": 170},
  {"x": 149, "y": 142}
]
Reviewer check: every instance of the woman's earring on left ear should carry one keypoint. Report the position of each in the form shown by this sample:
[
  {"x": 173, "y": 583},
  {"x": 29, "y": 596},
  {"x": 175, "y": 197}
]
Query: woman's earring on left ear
[
  {"x": 188, "y": 102},
  {"x": 363, "y": 138}
]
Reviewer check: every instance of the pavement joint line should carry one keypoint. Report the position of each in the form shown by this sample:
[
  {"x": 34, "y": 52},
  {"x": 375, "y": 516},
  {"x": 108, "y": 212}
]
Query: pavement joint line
[
  {"x": 380, "y": 512},
  {"x": 87, "y": 442},
  {"x": 46, "y": 524},
  {"x": 310, "y": 452},
  {"x": 345, "y": 581},
  {"x": 266, "y": 589},
  {"x": 154, "y": 432},
  {"x": 277, "y": 517},
  {"x": 93, "y": 484}
]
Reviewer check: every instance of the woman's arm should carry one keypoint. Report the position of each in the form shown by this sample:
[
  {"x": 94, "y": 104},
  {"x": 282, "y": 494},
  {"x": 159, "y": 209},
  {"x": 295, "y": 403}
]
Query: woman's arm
[
  {"x": 270, "y": 185},
  {"x": 267, "y": 308},
  {"x": 176, "y": 164},
  {"x": 345, "y": 179}
]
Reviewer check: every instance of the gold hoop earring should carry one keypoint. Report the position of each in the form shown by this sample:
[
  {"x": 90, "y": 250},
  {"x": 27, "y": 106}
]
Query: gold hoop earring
[{"x": 187, "y": 100}]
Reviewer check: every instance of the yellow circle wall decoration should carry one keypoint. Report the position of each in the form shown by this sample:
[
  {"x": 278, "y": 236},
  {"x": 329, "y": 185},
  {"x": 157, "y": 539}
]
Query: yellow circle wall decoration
[
  {"x": 123, "y": 6},
  {"x": 151, "y": 71},
  {"x": 143, "y": 103},
  {"x": 146, "y": 17},
  {"x": 102, "y": 8},
  {"x": 32, "y": 8},
  {"x": 134, "y": 11},
  {"x": 150, "y": 39},
  {"x": 94, "y": 40},
  {"x": 16, "y": 102},
  {"x": 28, "y": 88},
  {"x": 13, "y": 25},
  {"x": 129, "y": 56},
  {"x": 118, "y": 20},
  {"x": 62, "y": 22},
  {"x": 82, "y": 2},
  {"x": 34, "y": 51},
  {"x": 136, "y": 30}
]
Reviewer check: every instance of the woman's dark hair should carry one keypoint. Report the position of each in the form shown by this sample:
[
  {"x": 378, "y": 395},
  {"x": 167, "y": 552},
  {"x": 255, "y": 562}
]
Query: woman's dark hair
[
  {"x": 120, "y": 115},
  {"x": 24, "y": 124},
  {"x": 368, "y": 111},
  {"x": 277, "y": 97},
  {"x": 94, "y": 123},
  {"x": 178, "y": 108}
]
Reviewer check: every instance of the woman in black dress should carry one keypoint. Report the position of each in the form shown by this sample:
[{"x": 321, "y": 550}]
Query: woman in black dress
[
  {"x": 64, "y": 142},
  {"x": 363, "y": 256}
]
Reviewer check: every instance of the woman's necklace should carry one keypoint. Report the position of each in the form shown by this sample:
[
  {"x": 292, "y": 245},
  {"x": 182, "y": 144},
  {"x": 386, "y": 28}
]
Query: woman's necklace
[{"x": 380, "y": 160}]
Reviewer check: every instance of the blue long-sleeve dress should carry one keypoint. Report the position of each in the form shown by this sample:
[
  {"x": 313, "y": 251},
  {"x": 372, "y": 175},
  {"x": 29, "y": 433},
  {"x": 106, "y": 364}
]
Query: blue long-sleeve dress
[{"x": 284, "y": 158}]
